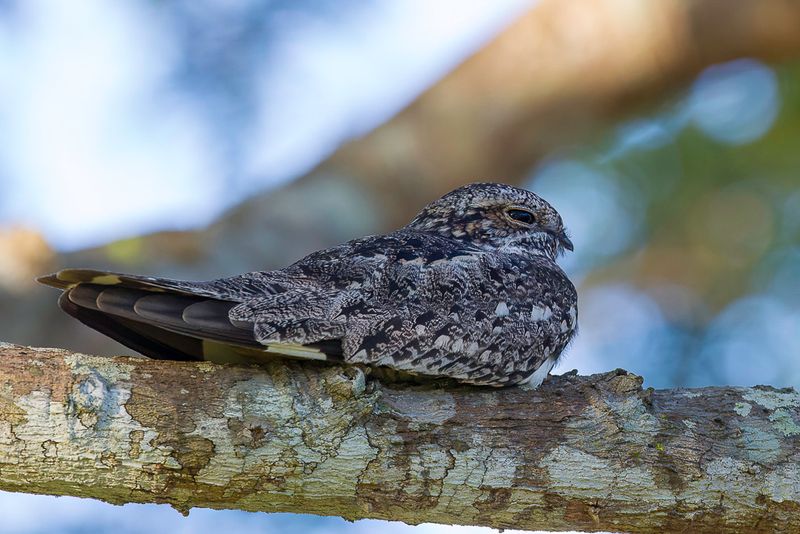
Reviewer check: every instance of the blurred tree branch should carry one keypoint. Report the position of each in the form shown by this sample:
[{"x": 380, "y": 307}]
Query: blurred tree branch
[
  {"x": 556, "y": 76},
  {"x": 583, "y": 453}
]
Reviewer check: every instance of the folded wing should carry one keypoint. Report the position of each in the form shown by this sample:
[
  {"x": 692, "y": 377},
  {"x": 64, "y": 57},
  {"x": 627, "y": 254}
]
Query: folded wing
[{"x": 173, "y": 319}]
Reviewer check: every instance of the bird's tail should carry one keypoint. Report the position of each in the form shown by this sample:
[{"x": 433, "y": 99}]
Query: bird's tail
[{"x": 166, "y": 319}]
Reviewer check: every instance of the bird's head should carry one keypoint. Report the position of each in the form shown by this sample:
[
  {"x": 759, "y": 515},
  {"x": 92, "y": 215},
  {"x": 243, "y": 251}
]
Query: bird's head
[{"x": 496, "y": 216}]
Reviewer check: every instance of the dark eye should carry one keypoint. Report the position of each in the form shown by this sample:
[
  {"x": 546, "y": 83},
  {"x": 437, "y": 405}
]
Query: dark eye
[{"x": 523, "y": 216}]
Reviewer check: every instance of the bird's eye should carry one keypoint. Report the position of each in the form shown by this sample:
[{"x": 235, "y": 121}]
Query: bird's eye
[{"x": 523, "y": 216}]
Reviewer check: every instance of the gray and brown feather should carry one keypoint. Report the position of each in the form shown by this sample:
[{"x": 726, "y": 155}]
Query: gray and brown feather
[{"x": 468, "y": 290}]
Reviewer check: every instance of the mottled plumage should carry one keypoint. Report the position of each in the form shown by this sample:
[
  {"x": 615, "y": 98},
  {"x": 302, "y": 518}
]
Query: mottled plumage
[{"x": 468, "y": 290}]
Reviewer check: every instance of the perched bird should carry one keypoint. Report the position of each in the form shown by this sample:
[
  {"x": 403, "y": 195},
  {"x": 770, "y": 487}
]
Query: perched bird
[{"x": 468, "y": 290}]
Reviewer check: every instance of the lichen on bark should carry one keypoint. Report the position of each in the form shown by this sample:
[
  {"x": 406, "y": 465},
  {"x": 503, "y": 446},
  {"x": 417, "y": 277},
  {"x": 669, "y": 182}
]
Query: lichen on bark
[{"x": 582, "y": 453}]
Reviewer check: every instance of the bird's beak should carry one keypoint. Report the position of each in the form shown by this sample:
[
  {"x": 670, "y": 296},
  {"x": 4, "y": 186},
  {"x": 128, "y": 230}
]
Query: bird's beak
[{"x": 565, "y": 242}]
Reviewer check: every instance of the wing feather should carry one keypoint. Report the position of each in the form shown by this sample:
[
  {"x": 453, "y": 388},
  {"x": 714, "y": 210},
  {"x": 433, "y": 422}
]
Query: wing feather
[{"x": 172, "y": 319}]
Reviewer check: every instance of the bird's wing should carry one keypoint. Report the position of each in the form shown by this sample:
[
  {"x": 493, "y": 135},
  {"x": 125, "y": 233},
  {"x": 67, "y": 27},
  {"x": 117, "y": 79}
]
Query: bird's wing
[
  {"x": 174, "y": 319},
  {"x": 293, "y": 311},
  {"x": 323, "y": 293}
]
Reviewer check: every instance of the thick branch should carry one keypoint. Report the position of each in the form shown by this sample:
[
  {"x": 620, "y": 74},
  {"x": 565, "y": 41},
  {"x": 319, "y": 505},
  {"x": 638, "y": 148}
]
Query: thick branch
[{"x": 585, "y": 453}]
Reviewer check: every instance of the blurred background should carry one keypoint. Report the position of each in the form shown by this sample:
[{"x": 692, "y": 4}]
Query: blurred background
[{"x": 204, "y": 138}]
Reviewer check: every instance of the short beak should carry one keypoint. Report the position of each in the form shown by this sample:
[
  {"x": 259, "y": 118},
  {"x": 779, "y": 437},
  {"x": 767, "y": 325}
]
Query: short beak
[{"x": 565, "y": 242}]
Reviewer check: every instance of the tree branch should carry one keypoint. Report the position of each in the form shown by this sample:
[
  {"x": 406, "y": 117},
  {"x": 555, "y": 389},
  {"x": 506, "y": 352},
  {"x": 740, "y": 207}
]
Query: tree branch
[
  {"x": 558, "y": 75},
  {"x": 585, "y": 453}
]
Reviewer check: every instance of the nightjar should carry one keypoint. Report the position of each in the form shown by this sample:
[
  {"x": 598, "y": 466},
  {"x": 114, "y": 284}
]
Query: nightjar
[{"x": 468, "y": 290}]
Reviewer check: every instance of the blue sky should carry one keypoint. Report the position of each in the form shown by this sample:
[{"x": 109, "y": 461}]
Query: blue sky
[{"x": 88, "y": 112}]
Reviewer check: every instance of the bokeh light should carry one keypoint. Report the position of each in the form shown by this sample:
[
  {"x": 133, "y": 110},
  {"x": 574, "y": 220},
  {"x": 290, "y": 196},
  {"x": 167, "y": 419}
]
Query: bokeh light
[
  {"x": 754, "y": 341},
  {"x": 735, "y": 102},
  {"x": 601, "y": 218}
]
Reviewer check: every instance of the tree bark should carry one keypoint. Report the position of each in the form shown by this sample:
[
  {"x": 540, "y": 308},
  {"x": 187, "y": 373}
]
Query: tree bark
[{"x": 584, "y": 453}]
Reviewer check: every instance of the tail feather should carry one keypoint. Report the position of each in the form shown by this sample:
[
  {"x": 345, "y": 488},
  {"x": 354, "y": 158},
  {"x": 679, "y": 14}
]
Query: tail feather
[
  {"x": 168, "y": 319},
  {"x": 69, "y": 278},
  {"x": 133, "y": 335}
]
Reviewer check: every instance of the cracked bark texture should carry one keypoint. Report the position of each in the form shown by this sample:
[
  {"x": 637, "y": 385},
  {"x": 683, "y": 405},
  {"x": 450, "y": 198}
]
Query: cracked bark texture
[{"x": 584, "y": 453}]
